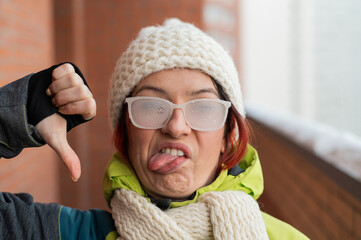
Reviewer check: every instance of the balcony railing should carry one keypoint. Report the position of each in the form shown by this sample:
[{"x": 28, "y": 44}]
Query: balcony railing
[{"x": 303, "y": 188}]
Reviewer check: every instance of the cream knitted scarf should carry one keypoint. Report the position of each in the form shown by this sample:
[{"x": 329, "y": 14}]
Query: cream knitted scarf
[{"x": 216, "y": 215}]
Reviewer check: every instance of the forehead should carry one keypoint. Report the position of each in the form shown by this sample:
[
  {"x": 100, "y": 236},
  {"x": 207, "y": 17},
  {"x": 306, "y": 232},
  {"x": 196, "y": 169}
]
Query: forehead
[{"x": 183, "y": 81}]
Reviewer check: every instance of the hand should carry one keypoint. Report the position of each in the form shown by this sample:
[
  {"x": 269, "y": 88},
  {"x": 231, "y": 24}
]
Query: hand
[
  {"x": 70, "y": 96},
  {"x": 53, "y": 130}
]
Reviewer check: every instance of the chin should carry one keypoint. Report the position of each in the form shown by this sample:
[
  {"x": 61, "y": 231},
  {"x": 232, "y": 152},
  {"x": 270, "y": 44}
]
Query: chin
[
  {"x": 174, "y": 190},
  {"x": 177, "y": 185}
]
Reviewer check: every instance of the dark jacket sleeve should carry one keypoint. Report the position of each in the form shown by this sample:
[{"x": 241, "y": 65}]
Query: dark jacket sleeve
[
  {"x": 15, "y": 132},
  {"x": 91, "y": 224},
  {"x": 21, "y": 218}
]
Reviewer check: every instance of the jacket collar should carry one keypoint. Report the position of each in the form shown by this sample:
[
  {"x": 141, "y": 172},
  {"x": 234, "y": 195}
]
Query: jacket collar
[{"x": 247, "y": 177}]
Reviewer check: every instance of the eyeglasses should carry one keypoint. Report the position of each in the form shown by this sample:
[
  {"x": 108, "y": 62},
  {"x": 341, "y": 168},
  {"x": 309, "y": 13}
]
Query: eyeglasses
[{"x": 200, "y": 114}]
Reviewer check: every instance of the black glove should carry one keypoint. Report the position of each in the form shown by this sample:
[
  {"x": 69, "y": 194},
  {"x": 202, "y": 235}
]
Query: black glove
[{"x": 39, "y": 104}]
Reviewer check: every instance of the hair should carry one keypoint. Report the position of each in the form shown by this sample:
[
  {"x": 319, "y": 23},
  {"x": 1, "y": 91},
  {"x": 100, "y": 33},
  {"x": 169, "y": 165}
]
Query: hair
[{"x": 236, "y": 134}]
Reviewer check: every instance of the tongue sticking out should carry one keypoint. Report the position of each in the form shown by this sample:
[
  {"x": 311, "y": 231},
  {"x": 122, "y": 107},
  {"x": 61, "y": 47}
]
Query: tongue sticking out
[{"x": 165, "y": 163}]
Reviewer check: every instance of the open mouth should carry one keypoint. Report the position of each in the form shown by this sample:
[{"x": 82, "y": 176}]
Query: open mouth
[
  {"x": 169, "y": 158},
  {"x": 173, "y": 152}
]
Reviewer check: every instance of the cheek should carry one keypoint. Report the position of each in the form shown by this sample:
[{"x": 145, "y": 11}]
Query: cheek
[
  {"x": 139, "y": 149},
  {"x": 211, "y": 145},
  {"x": 139, "y": 141},
  {"x": 212, "y": 142}
]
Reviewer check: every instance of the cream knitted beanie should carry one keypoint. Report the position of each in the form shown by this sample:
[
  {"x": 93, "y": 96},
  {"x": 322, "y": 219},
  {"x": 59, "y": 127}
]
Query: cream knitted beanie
[{"x": 173, "y": 45}]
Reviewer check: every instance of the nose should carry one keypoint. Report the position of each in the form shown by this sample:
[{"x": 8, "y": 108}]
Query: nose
[{"x": 177, "y": 125}]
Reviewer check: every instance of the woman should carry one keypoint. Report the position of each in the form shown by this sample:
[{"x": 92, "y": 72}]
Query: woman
[{"x": 184, "y": 168}]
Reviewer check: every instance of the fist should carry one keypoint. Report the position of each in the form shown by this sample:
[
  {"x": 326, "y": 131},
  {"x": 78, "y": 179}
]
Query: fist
[{"x": 69, "y": 93}]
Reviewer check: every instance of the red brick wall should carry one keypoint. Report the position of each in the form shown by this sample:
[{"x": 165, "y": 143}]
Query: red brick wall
[
  {"x": 302, "y": 193},
  {"x": 70, "y": 40},
  {"x": 26, "y": 45}
]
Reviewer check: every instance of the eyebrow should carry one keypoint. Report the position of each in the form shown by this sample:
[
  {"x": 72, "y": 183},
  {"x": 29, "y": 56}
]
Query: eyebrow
[
  {"x": 205, "y": 90},
  {"x": 190, "y": 93},
  {"x": 147, "y": 87}
]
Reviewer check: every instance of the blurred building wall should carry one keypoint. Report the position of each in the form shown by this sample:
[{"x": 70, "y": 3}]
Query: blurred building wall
[
  {"x": 303, "y": 57},
  {"x": 92, "y": 34},
  {"x": 26, "y": 46}
]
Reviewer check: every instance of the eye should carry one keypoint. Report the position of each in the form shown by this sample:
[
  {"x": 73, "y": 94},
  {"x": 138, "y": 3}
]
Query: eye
[
  {"x": 152, "y": 107},
  {"x": 202, "y": 107},
  {"x": 160, "y": 110}
]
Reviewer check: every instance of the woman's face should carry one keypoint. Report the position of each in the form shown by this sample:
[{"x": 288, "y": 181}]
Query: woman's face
[{"x": 182, "y": 175}]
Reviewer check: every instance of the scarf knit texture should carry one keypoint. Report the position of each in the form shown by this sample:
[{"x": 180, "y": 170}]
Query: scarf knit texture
[{"x": 216, "y": 215}]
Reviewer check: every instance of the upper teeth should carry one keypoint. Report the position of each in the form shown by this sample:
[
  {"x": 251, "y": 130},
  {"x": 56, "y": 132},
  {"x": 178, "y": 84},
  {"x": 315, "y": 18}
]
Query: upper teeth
[{"x": 172, "y": 151}]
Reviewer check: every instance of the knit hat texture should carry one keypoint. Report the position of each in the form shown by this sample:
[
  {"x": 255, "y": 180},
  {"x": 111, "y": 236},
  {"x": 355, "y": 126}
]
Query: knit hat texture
[{"x": 174, "y": 44}]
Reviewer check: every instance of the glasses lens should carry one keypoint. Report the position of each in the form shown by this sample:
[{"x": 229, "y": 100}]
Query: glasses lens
[
  {"x": 149, "y": 113},
  {"x": 206, "y": 115}
]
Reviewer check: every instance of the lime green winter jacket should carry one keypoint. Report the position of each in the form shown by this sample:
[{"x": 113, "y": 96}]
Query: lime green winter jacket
[{"x": 248, "y": 179}]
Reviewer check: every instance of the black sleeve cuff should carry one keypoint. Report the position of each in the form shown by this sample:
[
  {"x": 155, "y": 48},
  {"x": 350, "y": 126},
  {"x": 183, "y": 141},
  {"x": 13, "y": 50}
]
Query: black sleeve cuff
[{"x": 39, "y": 104}]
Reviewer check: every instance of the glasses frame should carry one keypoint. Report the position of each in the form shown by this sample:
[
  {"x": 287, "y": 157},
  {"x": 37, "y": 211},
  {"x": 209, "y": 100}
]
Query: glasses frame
[{"x": 130, "y": 100}]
